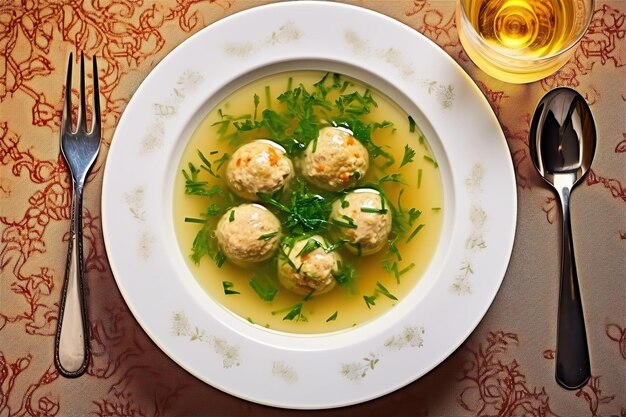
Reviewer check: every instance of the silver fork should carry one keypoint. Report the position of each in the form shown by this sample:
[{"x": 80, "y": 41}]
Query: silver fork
[{"x": 80, "y": 149}]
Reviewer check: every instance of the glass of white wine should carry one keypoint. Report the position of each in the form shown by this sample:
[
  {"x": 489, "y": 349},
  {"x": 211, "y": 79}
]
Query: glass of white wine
[{"x": 521, "y": 41}]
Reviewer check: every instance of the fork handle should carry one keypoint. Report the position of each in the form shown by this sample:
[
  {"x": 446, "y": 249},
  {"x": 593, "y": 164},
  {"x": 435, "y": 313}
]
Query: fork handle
[{"x": 72, "y": 344}]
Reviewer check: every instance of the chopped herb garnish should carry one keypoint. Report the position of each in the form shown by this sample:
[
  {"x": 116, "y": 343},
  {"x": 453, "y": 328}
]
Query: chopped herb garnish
[
  {"x": 212, "y": 210},
  {"x": 309, "y": 295},
  {"x": 373, "y": 210},
  {"x": 300, "y": 112},
  {"x": 348, "y": 219},
  {"x": 409, "y": 154},
  {"x": 295, "y": 313},
  {"x": 219, "y": 259},
  {"x": 412, "y": 235},
  {"x": 399, "y": 221},
  {"x": 195, "y": 187},
  {"x": 200, "y": 188},
  {"x": 392, "y": 267},
  {"x": 201, "y": 246},
  {"x": 256, "y": 101},
  {"x": 308, "y": 213},
  {"x": 412, "y": 124},
  {"x": 392, "y": 178},
  {"x": 221, "y": 161},
  {"x": 314, "y": 149},
  {"x": 264, "y": 287},
  {"x": 388, "y": 265},
  {"x": 335, "y": 246},
  {"x": 340, "y": 223},
  {"x": 287, "y": 243},
  {"x": 402, "y": 220},
  {"x": 405, "y": 270},
  {"x": 393, "y": 249},
  {"x": 268, "y": 236},
  {"x": 431, "y": 160},
  {"x": 194, "y": 220},
  {"x": 309, "y": 247},
  {"x": 228, "y": 288},
  {"x": 266, "y": 198},
  {"x": 206, "y": 165},
  {"x": 333, "y": 317},
  {"x": 226, "y": 121},
  {"x": 400, "y": 200},
  {"x": 356, "y": 103},
  {"x": 370, "y": 300},
  {"x": 214, "y": 152},
  {"x": 413, "y": 215},
  {"x": 436, "y": 208},
  {"x": 268, "y": 96},
  {"x": 231, "y": 217},
  {"x": 345, "y": 276},
  {"x": 382, "y": 290},
  {"x": 347, "y": 222},
  {"x": 419, "y": 178},
  {"x": 204, "y": 244},
  {"x": 345, "y": 203}
]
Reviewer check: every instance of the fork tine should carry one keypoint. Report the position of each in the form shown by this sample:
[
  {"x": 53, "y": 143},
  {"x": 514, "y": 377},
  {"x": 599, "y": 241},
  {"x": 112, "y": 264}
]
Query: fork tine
[
  {"x": 66, "y": 118},
  {"x": 82, "y": 118},
  {"x": 96, "y": 123}
]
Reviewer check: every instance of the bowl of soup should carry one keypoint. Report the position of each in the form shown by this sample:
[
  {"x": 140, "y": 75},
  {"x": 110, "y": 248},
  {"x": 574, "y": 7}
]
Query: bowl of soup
[{"x": 308, "y": 202}]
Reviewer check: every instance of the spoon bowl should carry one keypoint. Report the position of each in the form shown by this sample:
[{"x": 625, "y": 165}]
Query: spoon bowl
[
  {"x": 562, "y": 135},
  {"x": 562, "y": 144}
]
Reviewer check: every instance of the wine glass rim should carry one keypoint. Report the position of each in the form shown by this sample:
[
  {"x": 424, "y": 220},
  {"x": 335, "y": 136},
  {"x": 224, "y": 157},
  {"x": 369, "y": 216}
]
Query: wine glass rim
[{"x": 583, "y": 30}]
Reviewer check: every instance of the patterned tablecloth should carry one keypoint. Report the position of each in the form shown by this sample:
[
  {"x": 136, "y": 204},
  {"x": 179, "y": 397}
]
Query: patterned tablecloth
[{"x": 506, "y": 367}]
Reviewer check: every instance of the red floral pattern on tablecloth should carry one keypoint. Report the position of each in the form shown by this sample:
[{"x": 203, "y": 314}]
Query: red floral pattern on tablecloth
[
  {"x": 496, "y": 385},
  {"x": 127, "y": 374}
]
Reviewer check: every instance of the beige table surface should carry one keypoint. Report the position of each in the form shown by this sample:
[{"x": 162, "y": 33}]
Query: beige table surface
[{"x": 506, "y": 367}]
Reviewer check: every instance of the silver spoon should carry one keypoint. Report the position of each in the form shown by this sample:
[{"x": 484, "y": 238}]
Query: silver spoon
[{"x": 562, "y": 144}]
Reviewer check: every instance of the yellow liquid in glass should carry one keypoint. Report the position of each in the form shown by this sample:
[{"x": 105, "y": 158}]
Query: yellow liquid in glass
[{"x": 518, "y": 30}]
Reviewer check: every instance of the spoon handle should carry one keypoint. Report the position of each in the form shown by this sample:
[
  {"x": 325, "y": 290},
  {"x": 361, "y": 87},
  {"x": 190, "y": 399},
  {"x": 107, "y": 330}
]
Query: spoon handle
[{"x": 572, "y": 355}]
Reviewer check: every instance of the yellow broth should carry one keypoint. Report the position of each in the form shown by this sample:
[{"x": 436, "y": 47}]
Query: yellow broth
[{"x": 339, "y": 309}]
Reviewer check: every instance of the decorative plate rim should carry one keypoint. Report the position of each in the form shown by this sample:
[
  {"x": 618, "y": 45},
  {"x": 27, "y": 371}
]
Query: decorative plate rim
[{"x": 221, "y": 349}]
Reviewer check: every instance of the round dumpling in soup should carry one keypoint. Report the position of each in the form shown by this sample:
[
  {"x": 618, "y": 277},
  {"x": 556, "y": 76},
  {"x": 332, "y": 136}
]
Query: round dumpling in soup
[
  {"x": 304, "y": 266},
  {"x": 367, "y": 220},
  {"x": 260, "y": 166},
  {"x": 335, "y": 161},
  {"x": 248, "y": 233}
]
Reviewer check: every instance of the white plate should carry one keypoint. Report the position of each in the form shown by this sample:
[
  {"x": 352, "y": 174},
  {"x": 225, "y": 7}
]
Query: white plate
[{"x": 309, "y": 371}]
